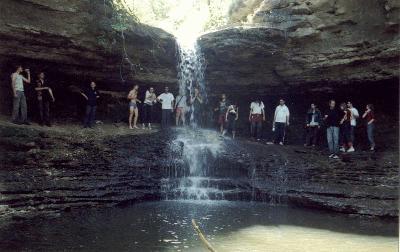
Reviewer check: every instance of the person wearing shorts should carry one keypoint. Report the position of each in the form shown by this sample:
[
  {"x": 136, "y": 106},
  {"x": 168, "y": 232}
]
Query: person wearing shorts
[
  {"x": 133, "y": 108},
  {"x": 180, "y": 109}
]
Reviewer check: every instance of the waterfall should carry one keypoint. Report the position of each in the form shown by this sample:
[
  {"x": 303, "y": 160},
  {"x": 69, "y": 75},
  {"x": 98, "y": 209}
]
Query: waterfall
[
  {"x": 198, "y": 147},
  {"x": 191, "y": 67}
]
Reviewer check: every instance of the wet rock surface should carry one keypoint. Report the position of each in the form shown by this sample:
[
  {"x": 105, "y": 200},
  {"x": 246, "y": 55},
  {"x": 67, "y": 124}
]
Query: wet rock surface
[
  {"x": 363, "y": 182},
  {"x": 46, "y": 171}
]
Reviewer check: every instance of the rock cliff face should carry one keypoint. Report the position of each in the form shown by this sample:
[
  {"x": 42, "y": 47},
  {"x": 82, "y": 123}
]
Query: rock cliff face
[
  {"x": 297, "y": 45},
  {"x": 74, "y": 42}
]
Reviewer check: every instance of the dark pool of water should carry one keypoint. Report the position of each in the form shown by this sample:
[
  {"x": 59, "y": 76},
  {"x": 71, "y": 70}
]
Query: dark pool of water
[{"x": 230, "y": 226}]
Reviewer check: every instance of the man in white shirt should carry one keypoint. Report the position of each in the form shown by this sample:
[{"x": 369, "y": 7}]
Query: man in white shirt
[
  {"x": 353, "y": 122},
  {"x": 167, "y": 103},
  {"x": 281, "y": 120}
]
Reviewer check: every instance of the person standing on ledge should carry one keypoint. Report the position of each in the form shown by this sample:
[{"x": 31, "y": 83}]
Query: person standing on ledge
[
  {"x": 354, "y": 116},
  {"x": 313, "y": 124},
  {"x": 167, "y": 103},
  {"x": 19, "y": 103},
  {"x": 281, "y": 121},
  {"x": 332, "y": 121},
  {"x": 223, "y": 105},
  {"x": 231, "y": 116},
  {"x": 196, "y": 101},
  {"x": 369, "y": 116},
  {"x": 133, "y": 107},
  {"x": 91, "y": 95},
  {"x": 256, "y": 117},
  {"x": 180, "y": 109},
  {"x": 345, "y": 129},
  {"x": 44, "y": 96},
  {"x": 150, "y": 99}
]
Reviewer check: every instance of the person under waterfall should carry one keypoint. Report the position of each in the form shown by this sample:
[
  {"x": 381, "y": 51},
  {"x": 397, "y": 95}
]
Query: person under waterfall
[
  {"x": 133, "y": 107},
  {"x": 180, "y": 109},
  {"x": 196, "y": 102}
]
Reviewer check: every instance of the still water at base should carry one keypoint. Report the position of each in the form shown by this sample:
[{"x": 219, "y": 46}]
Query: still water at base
[{"x": 229, "y": 226}]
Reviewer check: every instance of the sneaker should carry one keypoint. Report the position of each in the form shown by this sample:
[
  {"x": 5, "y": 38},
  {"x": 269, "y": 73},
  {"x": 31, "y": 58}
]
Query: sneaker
[
  {"x": 342, "y": 149},
  {"x": 331, "y": 156},
  {"x": 280, "y": 143},
  {"x": 351, "y": 149},
  {"x": 372, "y": 149},
  {"x": 335, "y": 157}
]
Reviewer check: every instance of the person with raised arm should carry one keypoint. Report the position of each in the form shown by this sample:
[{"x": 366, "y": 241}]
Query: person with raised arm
[
  {"x": 91, "y": 95},
  {"x": 19, "y": 102},
  {"x": 44, "y": 96}
]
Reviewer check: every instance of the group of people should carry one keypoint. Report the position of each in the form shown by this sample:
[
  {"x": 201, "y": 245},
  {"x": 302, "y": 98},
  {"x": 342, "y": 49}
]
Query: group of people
[
  {"x": 340, "y": 122},
  {"x": 44, "y": 96}
]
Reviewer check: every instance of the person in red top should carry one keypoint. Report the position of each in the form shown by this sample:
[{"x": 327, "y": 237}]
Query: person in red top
[
  {"x": 345, "y": 129},
  {"x": 370, "y": 119}
]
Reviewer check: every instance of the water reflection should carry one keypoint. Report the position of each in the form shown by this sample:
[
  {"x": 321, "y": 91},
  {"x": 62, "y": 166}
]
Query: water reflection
[{"x": 229, "y": 226}]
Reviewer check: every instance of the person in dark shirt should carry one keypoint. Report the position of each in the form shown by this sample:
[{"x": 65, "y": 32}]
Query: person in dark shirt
[
  {"x": 91, "y": 95},
  {"x": 313, "y": 124},
  {"x": 44, "y": 97},
  {"x": 345, "y": 129},
  {"x": 369, "y": 117},
  {"x": 332, "y": 121},
  {"x": 221, "y": 108}
]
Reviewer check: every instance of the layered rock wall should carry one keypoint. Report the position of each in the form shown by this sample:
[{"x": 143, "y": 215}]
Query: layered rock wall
[{"x": 75, "y": 42}]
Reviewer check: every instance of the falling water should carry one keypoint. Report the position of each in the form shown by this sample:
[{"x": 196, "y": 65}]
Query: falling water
[{"x": 198, "y": 146}]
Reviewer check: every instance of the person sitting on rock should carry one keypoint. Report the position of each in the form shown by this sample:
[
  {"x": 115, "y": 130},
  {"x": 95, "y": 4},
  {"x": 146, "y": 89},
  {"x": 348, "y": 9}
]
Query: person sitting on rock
[
  {"x": 19, "y": 103},
  {"x": 150, "y": 99},
  {"x": 256, "y": 117},
  {"x": 369, "y": 117},
  {"x": 345, "y": 129},
  {"x": 222, "y": 107},
  {"x": 280, "y": 122},
  {"x": 133, "y": 107},
  {"x": 231, "y": 116},
  {"x": 91, "y": 95},
  {"x": 44, "y": 96},
  {"x": 313, "y": 124}
]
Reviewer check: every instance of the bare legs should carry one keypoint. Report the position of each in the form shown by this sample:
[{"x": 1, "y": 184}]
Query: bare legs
[
  {"x": 133, "y": 115},
  {"x": 180, "y": 115}
]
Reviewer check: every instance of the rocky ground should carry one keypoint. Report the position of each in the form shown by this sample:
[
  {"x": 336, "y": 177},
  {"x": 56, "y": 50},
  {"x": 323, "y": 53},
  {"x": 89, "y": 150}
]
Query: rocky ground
[{"x": 48, "y": 170}]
